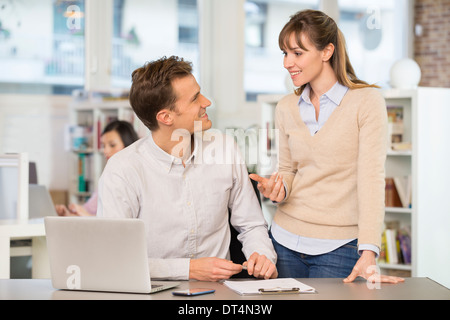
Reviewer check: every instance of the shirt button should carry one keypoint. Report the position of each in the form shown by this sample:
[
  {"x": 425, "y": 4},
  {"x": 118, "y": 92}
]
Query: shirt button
[{"x": 189, "y": 203}]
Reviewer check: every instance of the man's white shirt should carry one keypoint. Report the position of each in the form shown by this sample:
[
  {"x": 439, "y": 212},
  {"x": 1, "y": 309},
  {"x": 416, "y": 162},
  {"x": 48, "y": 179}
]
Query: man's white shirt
[{"x": 185, "y": 207}]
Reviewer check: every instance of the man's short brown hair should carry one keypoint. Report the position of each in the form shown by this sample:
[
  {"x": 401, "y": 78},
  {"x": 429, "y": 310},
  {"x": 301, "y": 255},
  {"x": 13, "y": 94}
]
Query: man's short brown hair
[{"x": 151, "y": 89}]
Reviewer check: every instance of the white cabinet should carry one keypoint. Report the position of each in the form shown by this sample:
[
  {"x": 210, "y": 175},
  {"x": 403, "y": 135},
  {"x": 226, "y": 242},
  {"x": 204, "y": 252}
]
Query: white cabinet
[
  {"x": 428, "y": 163},
  {"x": 88, "y": 119},
  {"x": 426, "y": 126}
]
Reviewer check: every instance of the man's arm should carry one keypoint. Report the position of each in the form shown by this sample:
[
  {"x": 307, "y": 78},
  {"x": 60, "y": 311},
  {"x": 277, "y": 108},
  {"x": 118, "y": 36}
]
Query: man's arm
[{"x": 248, "y": 220}]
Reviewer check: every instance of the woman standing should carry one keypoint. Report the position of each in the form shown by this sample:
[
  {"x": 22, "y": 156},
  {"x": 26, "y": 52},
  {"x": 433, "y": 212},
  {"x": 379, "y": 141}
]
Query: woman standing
[{"x": 332, "y": 149}]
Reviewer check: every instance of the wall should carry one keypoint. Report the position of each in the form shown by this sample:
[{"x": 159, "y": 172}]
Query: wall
[
  {"x": 431, "y": 49},
  {"x": 36, "y": 124}
]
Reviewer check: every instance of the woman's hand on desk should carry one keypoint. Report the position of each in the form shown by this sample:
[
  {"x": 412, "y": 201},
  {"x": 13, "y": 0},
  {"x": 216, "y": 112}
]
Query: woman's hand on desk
[
  {"x": 366, "y": 267},
  {"x": 272, "y": 188}
]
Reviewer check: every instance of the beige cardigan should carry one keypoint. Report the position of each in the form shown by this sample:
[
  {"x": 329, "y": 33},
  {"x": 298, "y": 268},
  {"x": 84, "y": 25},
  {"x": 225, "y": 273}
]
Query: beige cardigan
[{"x": 335, "y": 179}]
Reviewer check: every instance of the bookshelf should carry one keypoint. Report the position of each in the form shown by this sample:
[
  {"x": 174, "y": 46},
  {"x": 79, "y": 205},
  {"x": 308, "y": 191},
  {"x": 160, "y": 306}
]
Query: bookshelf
[
  {"x": 400, "y": 165},
  {"x": 422, "y": 155},
  {"x": 88, "y": 118}
]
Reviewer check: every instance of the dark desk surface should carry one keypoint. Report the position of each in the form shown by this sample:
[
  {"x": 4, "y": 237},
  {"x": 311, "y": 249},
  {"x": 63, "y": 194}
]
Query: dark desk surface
[{"x": 327, "y": 289}]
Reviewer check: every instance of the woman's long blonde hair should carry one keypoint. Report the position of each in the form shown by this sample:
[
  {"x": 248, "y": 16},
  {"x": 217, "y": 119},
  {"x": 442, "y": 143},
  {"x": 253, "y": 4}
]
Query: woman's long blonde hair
[{"x": 322, "y": 30}]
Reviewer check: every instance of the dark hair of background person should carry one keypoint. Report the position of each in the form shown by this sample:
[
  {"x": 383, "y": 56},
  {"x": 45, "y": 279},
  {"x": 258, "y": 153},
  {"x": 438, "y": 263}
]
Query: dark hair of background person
[{"x": 124, "y": 129}]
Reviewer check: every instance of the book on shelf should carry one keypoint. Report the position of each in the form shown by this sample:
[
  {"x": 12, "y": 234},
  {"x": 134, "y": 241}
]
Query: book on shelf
[
  {"x": 395, "y": 123},
  {"x": 396, "y": 129},
  {"x": 80, "y": 137},
  {"x": 392, "y": 251},
  {"x": 401, "y": 146},
  {"x": 84, "y": 172},
  {"x": 398, "y": 191},
  {"x": 395, "y": 244},
  {"x": 392, "y": 198},
  {"x": 403, "y": 186},
  {"x": 404, "y": 239}
]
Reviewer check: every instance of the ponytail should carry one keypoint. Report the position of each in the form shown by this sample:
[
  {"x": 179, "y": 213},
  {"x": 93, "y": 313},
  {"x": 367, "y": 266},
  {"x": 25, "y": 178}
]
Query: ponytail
[{"x": 342, "y": 67}]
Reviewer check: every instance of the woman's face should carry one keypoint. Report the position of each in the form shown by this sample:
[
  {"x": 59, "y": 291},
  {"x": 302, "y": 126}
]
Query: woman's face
[
  {"x": 304, "y": 66},
  {"x": 111, "y": 143}
]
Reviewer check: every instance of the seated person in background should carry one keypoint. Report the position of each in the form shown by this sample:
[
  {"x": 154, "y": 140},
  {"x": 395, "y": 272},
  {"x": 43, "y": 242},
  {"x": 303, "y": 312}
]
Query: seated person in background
[
  {"x": 116, "y": 136},
  {"x": 171, "y": 181}
]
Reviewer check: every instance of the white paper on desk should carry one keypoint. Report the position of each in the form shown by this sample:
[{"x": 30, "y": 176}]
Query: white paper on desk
[{"x": 253, "y": 286}]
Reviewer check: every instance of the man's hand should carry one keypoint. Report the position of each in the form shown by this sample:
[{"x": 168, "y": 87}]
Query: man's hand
[
  {"x": 272, "y": 188},
  {"x": 261, "y": 267},
  {"x": 212, "y": 269},
  {"x": 364, "y": 268}
]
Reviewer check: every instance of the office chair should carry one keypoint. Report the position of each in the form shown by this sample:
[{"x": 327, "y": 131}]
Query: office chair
[{"x": 32, "y": 173}]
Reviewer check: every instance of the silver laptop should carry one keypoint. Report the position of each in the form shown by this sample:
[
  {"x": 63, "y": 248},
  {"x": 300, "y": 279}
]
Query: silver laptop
[
  {"x": 40, "y": 203},
  {"x": 100, "y": 254}
]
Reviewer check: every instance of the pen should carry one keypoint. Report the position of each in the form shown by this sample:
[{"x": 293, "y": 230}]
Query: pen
[{"x": 278, "y": 290}]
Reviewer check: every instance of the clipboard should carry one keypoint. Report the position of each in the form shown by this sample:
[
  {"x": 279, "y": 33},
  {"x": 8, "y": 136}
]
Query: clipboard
[{"x": 271, "y": 286}]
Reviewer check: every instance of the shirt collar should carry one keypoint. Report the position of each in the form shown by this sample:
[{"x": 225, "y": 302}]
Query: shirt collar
[
  {"x": 305, "y": 95},
  {"x": 168, "y": 160},
  {"x": 335, "y": 94}
]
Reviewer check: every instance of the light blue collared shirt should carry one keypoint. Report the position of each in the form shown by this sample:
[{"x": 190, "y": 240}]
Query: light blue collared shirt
[{"x": 329, "y": 101}]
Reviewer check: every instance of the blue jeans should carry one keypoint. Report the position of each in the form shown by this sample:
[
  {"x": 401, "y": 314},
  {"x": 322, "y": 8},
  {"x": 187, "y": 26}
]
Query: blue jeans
[{"x": 338, "y": 263}]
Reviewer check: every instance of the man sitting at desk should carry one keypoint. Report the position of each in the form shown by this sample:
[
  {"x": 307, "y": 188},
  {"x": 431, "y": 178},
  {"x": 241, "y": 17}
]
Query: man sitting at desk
[{"x": 181, "y": 181}]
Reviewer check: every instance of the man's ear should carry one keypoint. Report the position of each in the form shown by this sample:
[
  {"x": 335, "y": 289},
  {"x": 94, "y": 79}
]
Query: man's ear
[
  {"x": 164, "y": 117},
  {"x": 328, "y": 52}
]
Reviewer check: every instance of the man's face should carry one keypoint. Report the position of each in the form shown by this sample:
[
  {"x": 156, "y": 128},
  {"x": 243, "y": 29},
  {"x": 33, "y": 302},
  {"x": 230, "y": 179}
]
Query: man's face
[{"x": 190, "y": 105}]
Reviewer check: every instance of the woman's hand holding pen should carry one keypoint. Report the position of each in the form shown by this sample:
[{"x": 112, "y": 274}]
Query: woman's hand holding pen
[{"x": 271, "y": 188}]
